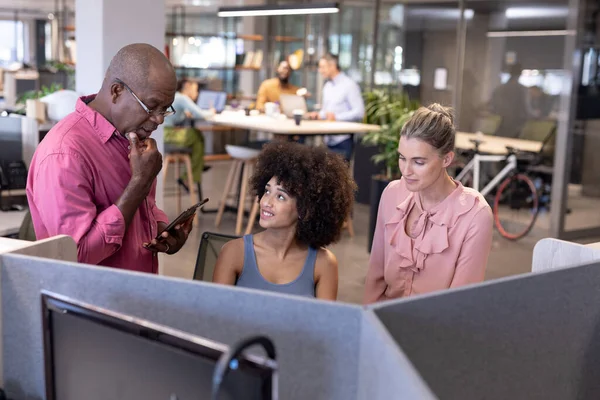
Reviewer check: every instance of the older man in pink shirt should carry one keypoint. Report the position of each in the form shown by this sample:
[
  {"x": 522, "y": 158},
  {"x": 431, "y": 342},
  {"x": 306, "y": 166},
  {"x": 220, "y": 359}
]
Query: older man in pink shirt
[{"x": 93, "y": 177}]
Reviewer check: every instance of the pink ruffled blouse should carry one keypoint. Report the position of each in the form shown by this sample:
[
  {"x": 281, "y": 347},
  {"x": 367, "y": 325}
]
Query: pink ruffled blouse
[{"x": 450, "y": 249}]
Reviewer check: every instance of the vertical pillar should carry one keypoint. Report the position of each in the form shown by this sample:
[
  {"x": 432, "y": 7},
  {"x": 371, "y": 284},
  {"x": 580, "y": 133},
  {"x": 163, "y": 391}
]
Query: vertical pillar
[
  {"x": 566, "y": 117},
  {"x": 102, "y": 28}
]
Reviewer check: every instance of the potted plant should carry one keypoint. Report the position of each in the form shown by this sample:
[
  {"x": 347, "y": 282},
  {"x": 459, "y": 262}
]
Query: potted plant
[
  {"x": 390, "y": 110},
  {"x": 36, "y": 94}
]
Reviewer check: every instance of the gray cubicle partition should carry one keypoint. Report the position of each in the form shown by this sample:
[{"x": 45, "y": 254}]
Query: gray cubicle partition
[
  {"x": 535, "y": 336},
  {"x": 318, "y": 343},
  {"x": 384, "y": 371}
]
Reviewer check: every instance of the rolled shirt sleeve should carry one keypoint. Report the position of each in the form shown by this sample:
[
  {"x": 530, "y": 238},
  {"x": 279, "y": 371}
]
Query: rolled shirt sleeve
[{"x": 63, "y": 196}]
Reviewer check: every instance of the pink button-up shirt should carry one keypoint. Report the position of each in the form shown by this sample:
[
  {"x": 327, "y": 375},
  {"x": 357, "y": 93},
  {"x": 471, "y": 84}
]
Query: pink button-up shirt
[
  {"x": 77, "y": 174},
  {"x": 451, "y": 248}
]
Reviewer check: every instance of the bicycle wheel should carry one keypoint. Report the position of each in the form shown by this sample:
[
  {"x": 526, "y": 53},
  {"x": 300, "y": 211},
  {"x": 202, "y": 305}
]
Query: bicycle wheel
[{"x": 516, "y": 206}]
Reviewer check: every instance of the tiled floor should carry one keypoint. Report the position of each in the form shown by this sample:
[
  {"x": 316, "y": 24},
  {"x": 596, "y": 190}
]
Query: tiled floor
[{"x": 507, "y": 258}]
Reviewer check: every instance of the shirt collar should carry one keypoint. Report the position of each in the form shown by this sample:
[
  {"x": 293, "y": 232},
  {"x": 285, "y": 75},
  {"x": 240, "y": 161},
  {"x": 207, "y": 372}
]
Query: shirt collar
[
  {"x": 447, "y": 212},
  {"x": 98, "y": 122},
  {"x": 338, "y": 78}
]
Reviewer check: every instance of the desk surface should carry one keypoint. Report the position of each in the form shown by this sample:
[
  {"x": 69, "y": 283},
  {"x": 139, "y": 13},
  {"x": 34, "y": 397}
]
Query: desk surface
[
  {"x": 7, "y": 245},
  {"x": 288, "y": 126},
  {"x": 10, "y": 222},
  {"x": 495, "y": 144}
]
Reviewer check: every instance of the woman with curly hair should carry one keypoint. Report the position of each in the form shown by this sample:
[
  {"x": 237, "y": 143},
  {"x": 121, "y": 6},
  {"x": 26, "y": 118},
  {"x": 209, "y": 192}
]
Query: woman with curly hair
[{"x": 305, "y": 195}]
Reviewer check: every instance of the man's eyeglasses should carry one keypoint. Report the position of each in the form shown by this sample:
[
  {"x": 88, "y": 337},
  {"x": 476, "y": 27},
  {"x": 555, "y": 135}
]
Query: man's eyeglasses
[{"x": 168, "y": 112}]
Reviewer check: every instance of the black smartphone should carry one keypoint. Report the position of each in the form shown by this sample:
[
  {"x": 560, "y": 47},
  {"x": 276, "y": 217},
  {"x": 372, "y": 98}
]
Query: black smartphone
[{"x": 183, "y": 217}]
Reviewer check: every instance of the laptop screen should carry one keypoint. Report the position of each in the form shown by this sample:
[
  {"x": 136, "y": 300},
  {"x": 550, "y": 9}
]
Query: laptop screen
[{"x": 209, "y": 99}]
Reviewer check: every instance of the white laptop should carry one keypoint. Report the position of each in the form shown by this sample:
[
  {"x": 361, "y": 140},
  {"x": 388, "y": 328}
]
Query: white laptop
[{"x": 291, "y": 102}]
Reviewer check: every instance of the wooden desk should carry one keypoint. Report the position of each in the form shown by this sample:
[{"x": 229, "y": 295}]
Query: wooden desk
[
  {"x": 495, "y": 144},
  {"x": 10, "y": 222},
  {"x": 286, "y": 126},
  {"x": 13, "y": 192}
]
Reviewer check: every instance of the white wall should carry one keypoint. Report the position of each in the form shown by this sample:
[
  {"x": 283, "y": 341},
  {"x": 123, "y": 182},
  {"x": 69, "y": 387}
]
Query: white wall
[{"x": 105, "y": 26}]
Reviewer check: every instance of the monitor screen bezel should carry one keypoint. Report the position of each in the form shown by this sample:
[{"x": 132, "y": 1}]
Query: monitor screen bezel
[{"x": 179, "y": 340}]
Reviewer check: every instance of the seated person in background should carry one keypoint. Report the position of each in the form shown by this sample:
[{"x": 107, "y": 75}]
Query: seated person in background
[
  {"x": 93, "y": 177},
  {"x": 510, "y": 101},
  {"x": 342, "y": 101},
  {"x": 432, "y": 233},
  {"x": 270, "y": 90},
  {"x": 176, "y": 133},
  {"x": 305, "y": 195}
]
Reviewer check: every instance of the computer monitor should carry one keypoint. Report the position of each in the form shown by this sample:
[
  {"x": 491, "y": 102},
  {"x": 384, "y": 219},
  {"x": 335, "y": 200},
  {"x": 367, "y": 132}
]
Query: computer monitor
[
  {"x": 291, "y": 102},
  {"x": 11, "y": 140},
  {"x": 211, "y": 99},
  {"x": 95, "y": 354}
]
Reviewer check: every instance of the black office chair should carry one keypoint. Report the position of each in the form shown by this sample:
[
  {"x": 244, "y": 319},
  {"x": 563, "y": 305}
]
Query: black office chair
[
  {"x": 27, "y": 232},
  {"x": 210, "y": 247}
]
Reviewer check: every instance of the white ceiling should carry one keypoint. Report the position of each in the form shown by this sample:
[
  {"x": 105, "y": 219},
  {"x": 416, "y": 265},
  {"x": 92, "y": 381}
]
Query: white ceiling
[
  {"x": 49, "y": 5},
  {"x": 46, "y": 6}
]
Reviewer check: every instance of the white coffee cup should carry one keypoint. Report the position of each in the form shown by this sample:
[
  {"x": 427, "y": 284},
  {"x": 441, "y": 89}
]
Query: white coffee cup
[{"x": 271, "y": 109}]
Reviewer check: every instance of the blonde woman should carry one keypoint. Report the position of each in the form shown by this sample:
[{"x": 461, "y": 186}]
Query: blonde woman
[{"x": 432, "y": 233}]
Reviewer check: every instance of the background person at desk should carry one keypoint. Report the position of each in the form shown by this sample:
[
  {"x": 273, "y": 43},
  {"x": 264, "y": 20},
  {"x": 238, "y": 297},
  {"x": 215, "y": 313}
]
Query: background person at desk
[
  {"x": 342, "y": 101},
  {"x": 93, "y": 177},
  {"x": 270, "y": 90},
  {"x": 176, "y": 133}
]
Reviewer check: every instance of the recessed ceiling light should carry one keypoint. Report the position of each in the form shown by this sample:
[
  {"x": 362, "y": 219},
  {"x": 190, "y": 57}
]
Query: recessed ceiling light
[
  {"x": 295, "y": 9},
  {"x": 536, "y": 12}
]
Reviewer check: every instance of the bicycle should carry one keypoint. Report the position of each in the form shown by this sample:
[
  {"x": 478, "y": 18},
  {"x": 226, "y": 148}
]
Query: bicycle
[{"x": 516, "y": 190}]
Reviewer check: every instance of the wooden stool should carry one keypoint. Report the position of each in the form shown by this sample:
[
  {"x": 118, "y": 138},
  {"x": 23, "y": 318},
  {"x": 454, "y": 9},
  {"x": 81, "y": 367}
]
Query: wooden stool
[
  {"x": 244, "y": 159},
  {"x": 180, "y": 155}
]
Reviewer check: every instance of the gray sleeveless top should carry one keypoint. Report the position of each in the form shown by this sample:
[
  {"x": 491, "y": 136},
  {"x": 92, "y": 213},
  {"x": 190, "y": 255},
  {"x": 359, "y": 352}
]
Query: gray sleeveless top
[{"x": 303, "y": 285}]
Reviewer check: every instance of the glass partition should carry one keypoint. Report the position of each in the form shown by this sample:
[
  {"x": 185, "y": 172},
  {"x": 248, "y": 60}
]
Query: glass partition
[
  {"x": 428, "y": 71},
  {"x": 516, "y": 68}
]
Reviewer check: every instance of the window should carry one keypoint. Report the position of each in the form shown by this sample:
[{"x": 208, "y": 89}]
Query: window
[{"x": 12, "y": 46}]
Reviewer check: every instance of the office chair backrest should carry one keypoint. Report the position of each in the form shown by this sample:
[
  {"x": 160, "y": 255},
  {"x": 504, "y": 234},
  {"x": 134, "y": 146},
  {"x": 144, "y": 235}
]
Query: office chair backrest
[
  {"x": 210, "y": 247},
  {"x": 537, "y": 130},
  {"x": 544, "y": 131},
  {"x": 487, "y": 124},
  {"x": 27, "y": 232}
]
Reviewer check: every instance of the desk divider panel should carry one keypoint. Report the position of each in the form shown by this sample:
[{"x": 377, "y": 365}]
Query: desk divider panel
[
  {"x": 317, "y": 342},
  {"x": 384, "y": 371},
  {"x": 535, "y": 336}
]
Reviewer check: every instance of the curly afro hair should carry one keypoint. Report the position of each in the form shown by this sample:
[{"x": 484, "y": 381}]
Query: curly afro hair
[{"x": 319, "y": 180}]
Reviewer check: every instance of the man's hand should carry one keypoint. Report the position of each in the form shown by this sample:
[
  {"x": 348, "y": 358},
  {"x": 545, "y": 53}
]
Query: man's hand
[
  {"x": 330, "y": 116},
  {"x": 312, "y": 115},
  {"x": 144, "y": 159},
  {"x": 171, "y": 242},
  {"x": 145, "y": 162}
]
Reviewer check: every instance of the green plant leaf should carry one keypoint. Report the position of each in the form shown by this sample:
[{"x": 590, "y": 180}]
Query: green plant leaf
[{"x": 389, "y": 109}]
